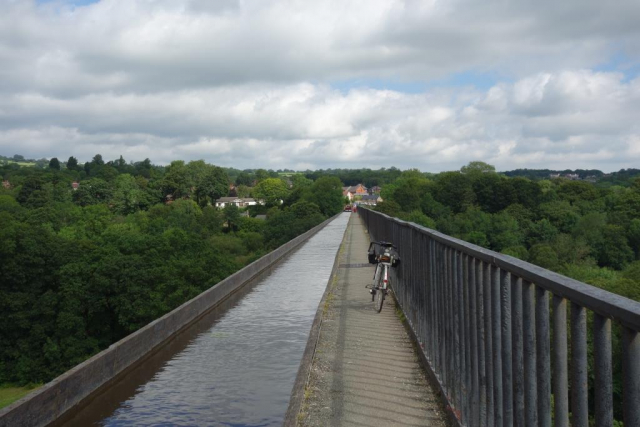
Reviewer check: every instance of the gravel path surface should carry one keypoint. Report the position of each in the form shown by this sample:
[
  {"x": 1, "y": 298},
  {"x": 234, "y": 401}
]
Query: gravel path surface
[{"x": 365, "y": 370}]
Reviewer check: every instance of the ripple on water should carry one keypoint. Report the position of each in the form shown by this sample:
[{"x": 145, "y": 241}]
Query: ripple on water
[{"x": 240, "y": 372}]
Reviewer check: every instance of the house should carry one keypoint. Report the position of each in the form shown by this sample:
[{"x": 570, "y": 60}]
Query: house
[
  {"x": 75, "y": 185},
  {"x": 348, "y": 194},
  {"x": 356, "y": 190},
  {"x": 573, "y": 176},
  {"x": 6, "y": 184},
  {"x": 237, "y": 201},
  {"x": 554, "y": 175},
  {"x": 375, "y": 190},
  {"x": 370, "y": 199}
]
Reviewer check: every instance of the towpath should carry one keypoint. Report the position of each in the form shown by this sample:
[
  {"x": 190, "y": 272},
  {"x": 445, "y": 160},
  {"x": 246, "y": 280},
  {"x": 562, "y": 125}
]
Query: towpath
[{"x": 365, "y": 370}]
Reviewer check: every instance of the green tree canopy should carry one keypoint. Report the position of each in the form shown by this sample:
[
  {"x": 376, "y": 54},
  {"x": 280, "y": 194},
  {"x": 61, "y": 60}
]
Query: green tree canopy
[
  {"x": 271, "y": 190},
  {"x": 54, "y": 164}
]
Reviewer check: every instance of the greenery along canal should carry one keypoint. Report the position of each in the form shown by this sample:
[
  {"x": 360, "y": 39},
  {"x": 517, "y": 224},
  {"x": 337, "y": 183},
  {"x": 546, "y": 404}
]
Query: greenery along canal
[
  {"x": 239, "y": 367},
  {"x": 81, "y": 269}
]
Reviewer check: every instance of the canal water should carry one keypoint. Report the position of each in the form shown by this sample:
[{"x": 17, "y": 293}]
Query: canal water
[{"x": 237, "y": 365}]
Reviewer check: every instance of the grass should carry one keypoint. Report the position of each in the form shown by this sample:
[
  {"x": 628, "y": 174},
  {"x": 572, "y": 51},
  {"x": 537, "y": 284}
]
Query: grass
[
  {"x": 26, "y": 164},
  {"x": 10, "y": 393}
]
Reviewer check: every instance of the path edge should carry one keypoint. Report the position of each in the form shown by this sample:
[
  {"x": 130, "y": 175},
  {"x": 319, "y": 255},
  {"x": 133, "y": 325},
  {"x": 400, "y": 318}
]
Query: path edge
[{"x": 304, "y": 371}]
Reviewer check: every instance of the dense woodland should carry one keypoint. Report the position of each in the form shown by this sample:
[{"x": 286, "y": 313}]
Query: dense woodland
[{"x": 83, "y": 268}]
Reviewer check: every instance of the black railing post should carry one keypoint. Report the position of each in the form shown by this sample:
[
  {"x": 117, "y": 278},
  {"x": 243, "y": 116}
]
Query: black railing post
[
  {"x": 631, "y": 376},
  {"x": 560, "y": 372},
  {"x": 529, "y": 350},
  {"x": 518, "y": 356},
  {"x": 579, "y": 386},
  {"x": 603, "y": 381}
]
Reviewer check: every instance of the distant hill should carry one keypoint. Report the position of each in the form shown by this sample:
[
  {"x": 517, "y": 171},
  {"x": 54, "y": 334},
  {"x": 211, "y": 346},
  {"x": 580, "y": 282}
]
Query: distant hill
[{"x": 546, "y": 173}]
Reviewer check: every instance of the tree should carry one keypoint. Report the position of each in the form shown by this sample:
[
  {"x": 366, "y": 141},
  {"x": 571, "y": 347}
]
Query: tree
[
  {"x": 33, "y": 193},
  {"x": 243, "y": 191},
  {"x": 544, "y": 256},
  {"x": 127, "y": 196},
  {"x": 272, "y": 191},
  {"x": 97, "y": 160},
  {"x": 54, "y": 164},
  {"x": 477, "y": 167},
  {"x": 231, "y": 214},
  {"x": 614, "y": 250},
  {"x": 72, "y": 163},
  {"x": 261, "y": 174},
  {"x": 326, "y": 192},
  {"x": 177, "y": 181},
  {"x": 92, "y": 191},
  {"x": 454, "y": 189},
  {"x": 212, "y": 185},
  {"x": 120, "y": 163},
  {"x": 244, "y": 178},
  {"x": 573, "y": 191}
]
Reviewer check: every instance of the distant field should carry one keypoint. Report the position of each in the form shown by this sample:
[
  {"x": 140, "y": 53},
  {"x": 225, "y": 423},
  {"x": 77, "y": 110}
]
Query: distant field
[
  {"x": 26, "y": 164},
  {"x": 9, "y": 394},
  {"x": 289, "y": 173}
]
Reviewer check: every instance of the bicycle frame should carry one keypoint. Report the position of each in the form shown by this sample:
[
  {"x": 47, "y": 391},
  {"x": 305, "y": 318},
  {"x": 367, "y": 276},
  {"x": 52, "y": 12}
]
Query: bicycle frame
[{"x": 381, "y": 269}]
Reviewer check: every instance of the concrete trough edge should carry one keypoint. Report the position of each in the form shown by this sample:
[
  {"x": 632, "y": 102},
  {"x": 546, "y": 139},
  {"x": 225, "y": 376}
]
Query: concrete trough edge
[
  {"x": 304, "y": 370},
  {"x": 48, "y": 403}
]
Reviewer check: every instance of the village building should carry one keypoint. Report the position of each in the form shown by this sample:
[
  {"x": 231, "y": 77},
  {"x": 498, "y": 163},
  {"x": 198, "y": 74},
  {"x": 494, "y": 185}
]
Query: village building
[
  {"x": 75, "y": 185},
  {"x": 237, "y": 201},
  {"x": 6, "y": 184},
  {"x": 347, "y": 194},
  {"x": 356, "y": 190},
  {"x": 375, "y": 190},
  {"x": 370, "y": 199}
]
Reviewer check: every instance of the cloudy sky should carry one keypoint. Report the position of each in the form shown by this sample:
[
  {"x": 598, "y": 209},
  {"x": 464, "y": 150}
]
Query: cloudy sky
[{"x": 430, "y": 84}]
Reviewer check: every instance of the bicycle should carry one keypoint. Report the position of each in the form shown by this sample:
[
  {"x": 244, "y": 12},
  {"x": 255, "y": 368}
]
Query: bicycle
[{"x": 384, "y": 259}]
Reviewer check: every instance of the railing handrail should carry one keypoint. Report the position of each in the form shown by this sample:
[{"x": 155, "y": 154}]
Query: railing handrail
[{"x": 607, "y": 304}]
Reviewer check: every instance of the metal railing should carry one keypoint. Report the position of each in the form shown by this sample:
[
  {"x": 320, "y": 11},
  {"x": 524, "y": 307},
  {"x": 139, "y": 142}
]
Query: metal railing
[{"x": 493, "y": 329}]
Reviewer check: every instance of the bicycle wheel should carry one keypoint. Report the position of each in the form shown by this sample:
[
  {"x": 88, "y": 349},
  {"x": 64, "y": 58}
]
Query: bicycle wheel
[
  {"x": 379, "y": 300},
  {"x": 376, "y": 279},
  {"x": 380, "y": 290}
]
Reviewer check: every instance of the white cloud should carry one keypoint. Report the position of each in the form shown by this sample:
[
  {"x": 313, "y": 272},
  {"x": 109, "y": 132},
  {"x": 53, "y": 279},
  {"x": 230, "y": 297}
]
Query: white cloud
[
  {"x": 589, "y": 123},
  {"x": 249, "y": 83}
]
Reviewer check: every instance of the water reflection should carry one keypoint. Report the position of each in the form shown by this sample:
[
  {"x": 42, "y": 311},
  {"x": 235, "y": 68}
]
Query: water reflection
[{"x": 237, "y": 366}]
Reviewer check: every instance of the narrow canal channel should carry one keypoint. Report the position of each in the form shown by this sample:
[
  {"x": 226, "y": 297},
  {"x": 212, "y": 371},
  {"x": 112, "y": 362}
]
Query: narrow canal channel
[{"x": 236, "y": 366}]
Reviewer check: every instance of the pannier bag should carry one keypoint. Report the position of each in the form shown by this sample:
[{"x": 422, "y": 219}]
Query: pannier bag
[{"x": 377, "y": 250}]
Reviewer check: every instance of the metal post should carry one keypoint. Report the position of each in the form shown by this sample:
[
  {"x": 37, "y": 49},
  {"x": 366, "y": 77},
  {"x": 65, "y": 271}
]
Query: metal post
[
  {"x": 496, "y": 307},
  {"x": 488, "y": 328},
  {"x": 543, "y": 367},
  {"x": 529, "y": 353},
  {"x": 560, "y": 371},
  {"x": 507, "y": 348},
  {"x": 482, "y": 373},
  {"x": 456, "y": 349},
  {"x": 472, "y": 328},
  {"x": 579, "y": 387},
  {"x": 518, "y": 357},
  {"x": 631, "y": 376},
  {"x": 602, "y": 361}
]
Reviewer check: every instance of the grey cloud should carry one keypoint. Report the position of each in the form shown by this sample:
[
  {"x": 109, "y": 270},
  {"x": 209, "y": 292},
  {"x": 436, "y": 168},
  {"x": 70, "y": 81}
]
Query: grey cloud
[
  {"x": 125, "y": 45},
  {"x": 284, "y": 126},
  {"x": 247, "y": 83}
]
